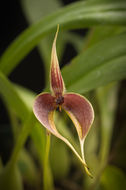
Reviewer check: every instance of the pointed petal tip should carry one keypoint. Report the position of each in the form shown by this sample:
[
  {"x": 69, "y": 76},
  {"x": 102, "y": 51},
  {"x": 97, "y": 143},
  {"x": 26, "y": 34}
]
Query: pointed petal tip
[
  {"x": 87, "y": 170},
  {"x": 81, "y": 113},
  {"x": 57, "y": 31}
]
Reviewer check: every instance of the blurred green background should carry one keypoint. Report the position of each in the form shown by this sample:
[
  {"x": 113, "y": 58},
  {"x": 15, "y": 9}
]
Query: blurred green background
[{"x": 91, "y": 48}]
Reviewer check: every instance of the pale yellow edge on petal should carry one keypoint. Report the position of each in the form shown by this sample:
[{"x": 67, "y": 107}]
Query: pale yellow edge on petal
[
  {"x": 79, "y": 131},
  {"x": 58, "y": 135},
  {"x": 76, "y": 123}
]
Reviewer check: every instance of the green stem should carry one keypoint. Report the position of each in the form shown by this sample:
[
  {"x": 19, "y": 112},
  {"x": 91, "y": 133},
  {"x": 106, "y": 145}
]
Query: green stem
[
  {"x": 47, "y": 177},
  {"x": 22, "y": 138},
  {"x": 14, "y": 123}
]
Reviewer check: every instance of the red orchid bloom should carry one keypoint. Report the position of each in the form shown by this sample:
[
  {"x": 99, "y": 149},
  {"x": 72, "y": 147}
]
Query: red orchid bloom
[{"x": 76, "y": 106}]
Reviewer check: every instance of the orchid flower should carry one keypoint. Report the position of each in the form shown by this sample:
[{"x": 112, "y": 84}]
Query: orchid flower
[{"x": 76, "y": 106}]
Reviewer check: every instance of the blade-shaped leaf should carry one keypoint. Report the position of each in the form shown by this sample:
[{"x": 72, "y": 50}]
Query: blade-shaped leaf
[
  {"x": 107, "y": 100},
  {"x": 102, "y": 63},
  {"x": 12, "y": 98},
  {"x": 77, "y": 15},
  {"x": 34, "y": 11},
  {"x": 99, "y": 33},
  {"x": 26, "y": 95}
]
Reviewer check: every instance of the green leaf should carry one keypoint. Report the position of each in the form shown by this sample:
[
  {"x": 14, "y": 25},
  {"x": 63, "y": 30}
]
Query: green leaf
[
  {"x": 101, "y": 64},
  {"x": 76, "y": 15},
  {"x": 20, "y": 100},
  {"x": 23, "y": 135},
  {"x": 107, "y": 100},
  {"x": 26, "y": 95},
  {"x": 34, "y": 11},
  {"x": 38, "y": 135},
  {"x": 99, "y": 33},
  {"x": 60, "y": 159},
  {"x": 12, "y": 98},
  {"x": 38, "y": 132},
  {"x": 113, "y": 178},
  {"x": 27, "y": 168},
  {"x": 10, "y": 178}
]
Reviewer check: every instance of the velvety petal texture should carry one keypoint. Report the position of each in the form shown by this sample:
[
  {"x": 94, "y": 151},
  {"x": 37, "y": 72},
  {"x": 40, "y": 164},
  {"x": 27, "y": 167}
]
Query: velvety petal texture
[
  {"x": 44, "y": 105},
  {"x": 80, "y": 111}
]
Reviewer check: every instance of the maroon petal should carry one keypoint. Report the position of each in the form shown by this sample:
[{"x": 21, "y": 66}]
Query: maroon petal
[
  {"x": 56, "y": 80},
  {"x": 44, "y": 105},
  {"x": 80, "y": 111},
  {"x": 43, "y": 109}
]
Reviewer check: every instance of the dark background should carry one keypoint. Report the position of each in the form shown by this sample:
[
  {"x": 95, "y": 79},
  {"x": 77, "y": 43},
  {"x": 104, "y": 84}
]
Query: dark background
[{"x": 13, "y": 22}]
